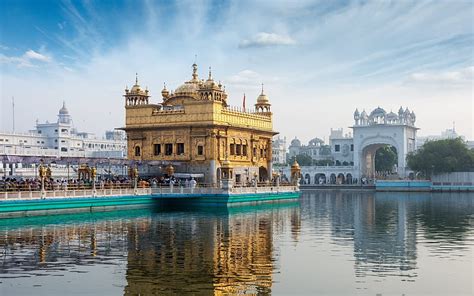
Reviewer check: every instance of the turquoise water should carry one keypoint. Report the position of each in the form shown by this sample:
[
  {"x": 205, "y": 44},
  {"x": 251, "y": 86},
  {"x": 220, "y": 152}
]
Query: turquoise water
[{"x": 328, "y": 243}]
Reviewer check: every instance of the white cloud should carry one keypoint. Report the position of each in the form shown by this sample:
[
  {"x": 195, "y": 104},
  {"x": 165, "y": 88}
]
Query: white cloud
[
  {"x": 33, "y": 55},
  {"x": 460, "y": 76},
  {"x": 244, "y": 78},
  {"x": 28, "y": 59},
  {"x": 264, "y": 39}
]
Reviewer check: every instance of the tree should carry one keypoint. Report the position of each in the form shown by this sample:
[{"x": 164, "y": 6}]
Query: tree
[
  {"x": 302, "y": 159},
  {"x": 442, "y": 156},
  {"x": 324, "y": 162},
  {"x": 325, "y": 150},
  {"x": 385, "y": 159}
]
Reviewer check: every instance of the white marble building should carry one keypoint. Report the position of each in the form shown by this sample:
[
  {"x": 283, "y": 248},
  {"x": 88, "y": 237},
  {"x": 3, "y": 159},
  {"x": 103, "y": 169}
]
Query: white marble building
[
  {"x": 279, "y": 151},
  {"x": 353, "y": 156},
  {"x": 58, "y": 139}
]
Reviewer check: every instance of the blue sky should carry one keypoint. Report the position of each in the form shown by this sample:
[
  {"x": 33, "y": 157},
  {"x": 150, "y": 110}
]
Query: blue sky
[{"x": 318, "y": 60}]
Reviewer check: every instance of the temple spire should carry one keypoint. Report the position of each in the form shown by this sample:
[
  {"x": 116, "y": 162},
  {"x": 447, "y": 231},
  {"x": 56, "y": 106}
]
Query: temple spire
[
  {"x": 195, "y": 74},
  {"x": 136, "y": 78}
]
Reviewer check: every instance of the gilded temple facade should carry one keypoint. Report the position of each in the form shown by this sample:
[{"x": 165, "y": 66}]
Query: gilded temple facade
[{"x": 195, "y": 130}]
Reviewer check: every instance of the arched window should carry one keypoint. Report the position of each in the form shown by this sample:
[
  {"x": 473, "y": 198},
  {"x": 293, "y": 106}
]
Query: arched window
[{"x": 137, "y": 151}]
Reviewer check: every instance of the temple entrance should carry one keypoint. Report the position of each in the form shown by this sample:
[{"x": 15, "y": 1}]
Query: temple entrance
[
  {"x": 380, "y": 161},
  {"x": 262, "y": 174}
]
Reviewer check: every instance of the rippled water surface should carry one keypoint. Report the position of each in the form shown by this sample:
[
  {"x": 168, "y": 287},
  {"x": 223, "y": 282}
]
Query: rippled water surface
[{"x": 328, "y": 243}]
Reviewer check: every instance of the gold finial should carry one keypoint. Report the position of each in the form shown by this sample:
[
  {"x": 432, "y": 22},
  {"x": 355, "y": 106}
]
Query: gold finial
[
  {"x": 195, "y": 75},
  {"x": 136, "y": 78}
]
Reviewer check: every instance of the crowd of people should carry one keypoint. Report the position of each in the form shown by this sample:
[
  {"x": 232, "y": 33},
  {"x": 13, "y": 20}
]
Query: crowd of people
[{"x": 34, "y": 184}]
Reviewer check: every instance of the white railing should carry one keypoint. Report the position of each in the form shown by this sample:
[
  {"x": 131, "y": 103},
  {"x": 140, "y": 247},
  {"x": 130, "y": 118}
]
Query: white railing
[
  {"x": 214, "y": 190},
  {"x": 31, "y": 195}
]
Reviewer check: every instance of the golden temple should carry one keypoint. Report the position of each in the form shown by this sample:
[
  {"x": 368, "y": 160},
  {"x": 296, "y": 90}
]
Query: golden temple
[{"x": 195, "y": 130}]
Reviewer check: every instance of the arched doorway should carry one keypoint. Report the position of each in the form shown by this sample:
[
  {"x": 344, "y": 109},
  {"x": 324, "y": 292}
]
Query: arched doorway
[
  {"x": 332, "y": 179},
  {"x": 349, "y": 178},
  {"x": 320, "y": 179},
  {"x": 341, "y": 179},
  {"x": 307, "y": 179},
  {"x": 262, "y": 174},
  {"x": 380, "y": 161}
]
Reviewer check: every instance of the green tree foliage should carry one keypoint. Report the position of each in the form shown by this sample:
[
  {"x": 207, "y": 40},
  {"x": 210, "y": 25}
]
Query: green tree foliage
[
  {"x": 325, "y": 150},
  {"x": 324, "y": 162},
  {"x": 442, "y": 156},
  {"x": 385, "y": 158},
  {"x": 302, "y": 159}
]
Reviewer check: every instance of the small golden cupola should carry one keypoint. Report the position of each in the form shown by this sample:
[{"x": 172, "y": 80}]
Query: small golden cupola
[
  {"x": 136, "y": 95},
  {"x": 212, "y": 91},
  {"x": 165, "y": 93},
  {"x": 263, "y": 104}
]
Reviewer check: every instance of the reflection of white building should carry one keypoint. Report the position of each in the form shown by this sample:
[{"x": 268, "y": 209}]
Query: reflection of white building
[
  {"x": 279, "y": 151},
  {"x": 55, "y": 140}
]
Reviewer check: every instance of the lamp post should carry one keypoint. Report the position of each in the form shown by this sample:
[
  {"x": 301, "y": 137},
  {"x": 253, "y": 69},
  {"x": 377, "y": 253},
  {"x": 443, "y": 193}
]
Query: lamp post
[
  {"x": 93, "y": 175},
  {"x": 42, "y": 174}
]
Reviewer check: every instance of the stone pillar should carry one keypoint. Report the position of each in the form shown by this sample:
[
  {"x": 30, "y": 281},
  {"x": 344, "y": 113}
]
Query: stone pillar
[{"x": 213, "y": 172}]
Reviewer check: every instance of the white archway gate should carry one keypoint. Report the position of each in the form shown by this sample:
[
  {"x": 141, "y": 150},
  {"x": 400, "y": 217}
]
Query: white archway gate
[{"x": 371, "y": 134}]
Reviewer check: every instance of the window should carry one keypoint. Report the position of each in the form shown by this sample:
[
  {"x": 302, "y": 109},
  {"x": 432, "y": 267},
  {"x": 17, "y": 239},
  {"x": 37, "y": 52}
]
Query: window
[
  {"x": 55, "y": 130},
  {"x": 244, "y": 150},
  {"x": 254, "y": 151},
  {"x": 157, "y": 149},
  {"x": 337, "y": 148},
  {"x": 137, "y": 151},
  {"x": 168, "y": 149},
  {"x": 39, "y": 132},
  {"x": 200, "y": 150},
  {"x": 63, "y": 149},
  {"x": 180, "y": 148},
  {"x": 261, "y": 153},
  {"x": 56, "y": 140},
  {"x": 64, "y": 130},
  {"x": 352, "y": 147},
  {"x": 232, "y": 149},
  {"x": 238, "y": 150}
]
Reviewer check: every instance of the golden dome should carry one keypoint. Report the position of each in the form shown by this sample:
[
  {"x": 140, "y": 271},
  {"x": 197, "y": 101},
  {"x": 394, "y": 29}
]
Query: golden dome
[
  {"x": 190, "y": 86},
  {"x": 295, "y": 165},
  {"x": 165, "y": 93},
  {"x": 262, "y": 98},
  {"x": 187, "y": 87},
  {"x": 137, "y": 89}
]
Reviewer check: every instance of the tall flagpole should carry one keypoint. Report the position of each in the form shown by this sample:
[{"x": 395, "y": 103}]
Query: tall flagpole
[{"x": 13, "y": 111}]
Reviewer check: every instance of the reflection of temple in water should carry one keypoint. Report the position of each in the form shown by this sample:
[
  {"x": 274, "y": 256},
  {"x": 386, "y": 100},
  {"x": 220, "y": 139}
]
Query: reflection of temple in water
[
  {"x": 218, "y": 254},
  {"x": 166, "y": 253}
]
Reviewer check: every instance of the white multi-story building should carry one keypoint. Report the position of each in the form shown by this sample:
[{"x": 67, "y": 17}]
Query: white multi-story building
[
  {"x": 58, "y": 140},
  {"x": 61, "y": 139},
  {"x": 279, "y": 151}
]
